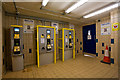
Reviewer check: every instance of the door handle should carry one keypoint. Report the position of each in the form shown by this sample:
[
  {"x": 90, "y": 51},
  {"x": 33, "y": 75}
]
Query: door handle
[{"x": 94, "y": 37}]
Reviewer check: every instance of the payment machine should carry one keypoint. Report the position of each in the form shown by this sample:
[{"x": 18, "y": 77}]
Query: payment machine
[
  {"x": 46, "y": 47},
  {"x": 66, "y": 43},
  {"x": 16, "y": 47}
]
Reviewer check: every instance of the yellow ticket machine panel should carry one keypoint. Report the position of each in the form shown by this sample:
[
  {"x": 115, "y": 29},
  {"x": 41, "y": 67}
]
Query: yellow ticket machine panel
[{"x": 66, "y": 44}]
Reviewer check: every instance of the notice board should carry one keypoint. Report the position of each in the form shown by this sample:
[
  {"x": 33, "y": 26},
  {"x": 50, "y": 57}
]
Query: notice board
[
  {"x": 28, "y": 26},
  {"x": 106, "y": 29}
]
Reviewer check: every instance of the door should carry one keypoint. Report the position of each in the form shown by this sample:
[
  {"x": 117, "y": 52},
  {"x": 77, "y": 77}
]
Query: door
[{"x": 89, "y": 39}]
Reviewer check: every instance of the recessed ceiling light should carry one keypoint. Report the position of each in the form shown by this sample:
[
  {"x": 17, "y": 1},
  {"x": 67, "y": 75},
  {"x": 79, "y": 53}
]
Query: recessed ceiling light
[
  {"x": 44, "y": 2},
  {"x": 76, "y": 5},
  {"x": 101, "y": 10}
]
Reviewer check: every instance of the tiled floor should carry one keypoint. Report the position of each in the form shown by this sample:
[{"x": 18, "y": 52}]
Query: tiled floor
[{"x": 81, "y": 67}]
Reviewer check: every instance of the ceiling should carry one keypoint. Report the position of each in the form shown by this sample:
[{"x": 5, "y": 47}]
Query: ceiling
[{"x": 54, "y": 10}]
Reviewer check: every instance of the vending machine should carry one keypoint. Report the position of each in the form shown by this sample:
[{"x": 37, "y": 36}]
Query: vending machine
[
  {"x": 66, "y": 43},
  {"x": 46, "y": 45},
  {"x": 16, "y": 47}
]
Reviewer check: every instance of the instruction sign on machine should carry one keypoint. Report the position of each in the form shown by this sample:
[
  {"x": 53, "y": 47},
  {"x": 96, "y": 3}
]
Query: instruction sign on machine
[
  {"x": 105, "y": 29},
  {"x": 66, "y": 38},
  {"x": 42, "y": 38},
  {"x": 28, "y": 25}
]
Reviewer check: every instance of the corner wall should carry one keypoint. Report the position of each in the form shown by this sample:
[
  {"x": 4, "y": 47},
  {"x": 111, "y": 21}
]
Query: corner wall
[
  {"x": 115, "y": 35},
  {"x": 0, "y": 40},
  {"x": 3, "y": 43}
]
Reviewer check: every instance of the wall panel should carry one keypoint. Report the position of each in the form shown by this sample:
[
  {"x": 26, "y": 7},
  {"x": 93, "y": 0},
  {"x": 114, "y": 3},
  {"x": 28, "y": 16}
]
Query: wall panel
[
  {"x": 115, "y": 35},
  {"x": 79, "y": 37},
  {"x": 3, "y": 43},
  {"x": 106, "y": 39},
  {"x": 1, "y": 57}
]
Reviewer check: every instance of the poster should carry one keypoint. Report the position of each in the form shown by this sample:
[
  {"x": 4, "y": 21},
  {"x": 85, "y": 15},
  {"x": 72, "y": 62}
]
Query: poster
[
  {"x": 106, "y": 29},
  {"x": 115, "y": 27},
  {"x": 28, "y": 26},
  {"x": 71, "y": 26},
  {"x": 56, "y": 26}
]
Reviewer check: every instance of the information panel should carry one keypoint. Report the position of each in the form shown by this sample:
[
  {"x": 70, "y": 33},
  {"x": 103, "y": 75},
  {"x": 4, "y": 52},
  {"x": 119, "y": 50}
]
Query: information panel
[
  {"x": 28, "y": 25},
  {"x": 105, "y": 29}
]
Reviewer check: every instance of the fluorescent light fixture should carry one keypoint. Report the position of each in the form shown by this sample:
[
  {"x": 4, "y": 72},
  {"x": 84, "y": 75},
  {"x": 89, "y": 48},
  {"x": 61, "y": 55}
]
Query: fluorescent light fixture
[
  {"x": 44, "y": 3},
  {"x": 76, "y": 5},
  {"x": 101, "y": 11}
]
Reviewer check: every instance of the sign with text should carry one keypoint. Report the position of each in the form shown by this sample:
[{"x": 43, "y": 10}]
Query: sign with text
[
  {"x": 105, "y": 29},
  {"x": 56, "y": 26},
  {"x": 28, "y": 26}
]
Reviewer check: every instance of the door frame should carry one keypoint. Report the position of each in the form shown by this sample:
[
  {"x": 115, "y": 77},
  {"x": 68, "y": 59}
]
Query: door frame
[{"x": 95, "y": 38}]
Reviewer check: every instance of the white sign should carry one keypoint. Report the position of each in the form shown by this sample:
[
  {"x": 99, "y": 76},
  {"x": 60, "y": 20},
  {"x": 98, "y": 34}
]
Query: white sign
[
  {"x": 66, "y": 39},
  {"x": 56, "y": 26},
  {"x": 105, "y": 29},
  {"x": 89, "y": 37},
  {"x": 71, "y": 26},
  {"x": 28, "y": 26},
  {"x": 42, "y": 40}
]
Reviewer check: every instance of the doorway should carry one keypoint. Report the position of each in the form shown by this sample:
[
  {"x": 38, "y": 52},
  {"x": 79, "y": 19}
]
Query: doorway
[{"x": 89, "y": 39}]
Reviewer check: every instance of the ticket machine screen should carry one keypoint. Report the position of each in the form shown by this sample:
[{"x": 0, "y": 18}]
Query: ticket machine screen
[
  {"x": 16, "y": 29},
  {"x": 70, "y": 32},
  {"x": 48, "y": 31}
]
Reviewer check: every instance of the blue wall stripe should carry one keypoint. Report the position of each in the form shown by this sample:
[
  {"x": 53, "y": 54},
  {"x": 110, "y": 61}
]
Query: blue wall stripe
[
  {"x": 102, "y": 51},
  {"x": 102, "y": 44},
  {"x": 80, "y": 43},
  {"x": 96, "y": 40},
  {"x": 112, "y": 41},
  {"x": 80, "y": 48},
  {"x": 96, "y": 54},
  {"x": 109, "y": 48},
  {"x": 112, "y": 60}
]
